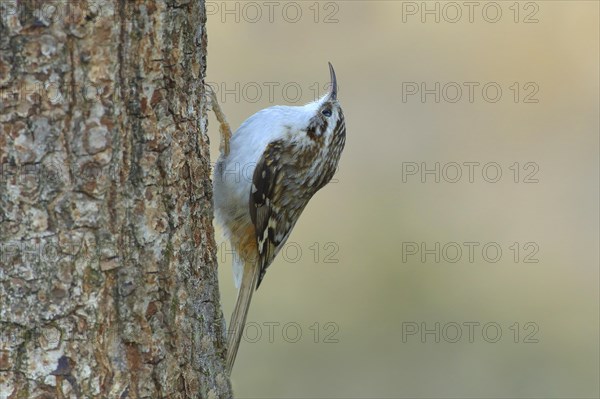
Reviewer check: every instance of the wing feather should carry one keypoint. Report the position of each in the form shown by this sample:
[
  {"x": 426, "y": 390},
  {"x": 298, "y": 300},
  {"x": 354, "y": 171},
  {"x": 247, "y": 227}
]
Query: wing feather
[{"x": 273, "y": 221}]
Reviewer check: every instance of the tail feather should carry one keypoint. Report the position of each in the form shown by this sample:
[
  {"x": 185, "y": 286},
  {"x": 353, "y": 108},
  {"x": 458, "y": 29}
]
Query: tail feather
[{"x": 238, "y": 317}]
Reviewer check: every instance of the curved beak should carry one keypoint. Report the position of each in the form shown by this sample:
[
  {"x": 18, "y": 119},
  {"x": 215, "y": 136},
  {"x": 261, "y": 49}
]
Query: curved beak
[{"x": 333, "y": 94}]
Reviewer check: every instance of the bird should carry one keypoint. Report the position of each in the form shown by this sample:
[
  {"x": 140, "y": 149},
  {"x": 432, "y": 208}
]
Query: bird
[{"x": 287, "y": 153}]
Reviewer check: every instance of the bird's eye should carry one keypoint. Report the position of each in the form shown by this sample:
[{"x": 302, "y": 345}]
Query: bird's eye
[{"x": 326, "y": 112}]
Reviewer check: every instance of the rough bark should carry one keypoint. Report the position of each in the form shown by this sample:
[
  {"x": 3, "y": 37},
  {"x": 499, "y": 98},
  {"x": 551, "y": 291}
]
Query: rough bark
[{"x": 108, "y": 283}]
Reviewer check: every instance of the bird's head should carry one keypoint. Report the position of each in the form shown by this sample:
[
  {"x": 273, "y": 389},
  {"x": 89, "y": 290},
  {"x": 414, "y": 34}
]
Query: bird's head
[{"x": 326, "y": 123}]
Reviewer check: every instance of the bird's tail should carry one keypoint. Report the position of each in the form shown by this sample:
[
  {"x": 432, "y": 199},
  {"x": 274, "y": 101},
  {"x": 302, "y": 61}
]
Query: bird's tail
[{"x": 238, "y": 318}]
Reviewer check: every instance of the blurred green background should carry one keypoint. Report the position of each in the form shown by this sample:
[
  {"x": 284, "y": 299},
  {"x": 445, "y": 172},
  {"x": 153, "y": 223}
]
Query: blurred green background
[{"x": 348, "y": 281}]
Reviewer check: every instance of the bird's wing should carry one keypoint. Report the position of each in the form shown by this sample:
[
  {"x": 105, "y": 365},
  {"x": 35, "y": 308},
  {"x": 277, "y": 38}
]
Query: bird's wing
[{"x": 270, "y": 209}]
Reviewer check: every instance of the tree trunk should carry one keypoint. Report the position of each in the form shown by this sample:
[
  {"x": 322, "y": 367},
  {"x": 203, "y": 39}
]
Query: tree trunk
[{"x": 108, "y": 273}]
